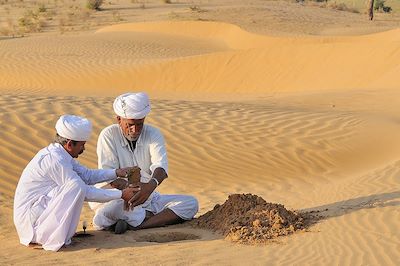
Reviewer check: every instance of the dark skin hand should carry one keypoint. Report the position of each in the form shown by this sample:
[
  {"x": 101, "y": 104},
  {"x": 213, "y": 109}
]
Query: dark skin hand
[
  {"x": 147, "y": 188},
  {"x": 119, "y": 183},
  {"x": 128, "y": 193}
]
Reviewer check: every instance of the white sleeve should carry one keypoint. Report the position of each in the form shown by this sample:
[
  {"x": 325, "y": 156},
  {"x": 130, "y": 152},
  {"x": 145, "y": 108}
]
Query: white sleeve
[
  {"x": 93, "y": 176},
  {"x": 63, "y": 172},
  {"x": 101, "y": 195},
  {"x": 158, "y": 152}
]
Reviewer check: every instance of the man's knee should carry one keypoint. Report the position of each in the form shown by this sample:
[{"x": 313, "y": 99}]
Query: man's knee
[
  {"x": 195, "y": 203},
  {"x": 98, "y": 222},
  {"x": 77, "y": 186},
  {"x": 108, "y": 214},
  {"x": 191, "y": 207}
]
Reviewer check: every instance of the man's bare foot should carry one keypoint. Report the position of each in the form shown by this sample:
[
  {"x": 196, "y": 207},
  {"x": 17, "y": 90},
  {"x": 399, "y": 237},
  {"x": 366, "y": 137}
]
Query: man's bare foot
[
  {"x": 110, "y": 228},
  {"x": 120, "y": 227}
]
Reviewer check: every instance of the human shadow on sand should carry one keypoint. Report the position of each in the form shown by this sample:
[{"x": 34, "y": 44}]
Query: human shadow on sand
[{"x": 103, "y": 240}]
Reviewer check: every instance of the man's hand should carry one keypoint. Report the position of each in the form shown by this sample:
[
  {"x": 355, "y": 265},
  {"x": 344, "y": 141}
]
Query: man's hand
[
  {"x": 140, "y": 197},
  {"x": 124, "y": 172},
  {"x": 119, "y": 183},
  {"x": 128, "y": 193}
]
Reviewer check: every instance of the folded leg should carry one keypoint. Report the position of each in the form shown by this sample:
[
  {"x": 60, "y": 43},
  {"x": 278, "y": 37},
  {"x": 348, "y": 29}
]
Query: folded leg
[
  {"x": 170, "y": 209},
  {"x": 56, "y": 223},
  {"x": 112, "y": 211}
]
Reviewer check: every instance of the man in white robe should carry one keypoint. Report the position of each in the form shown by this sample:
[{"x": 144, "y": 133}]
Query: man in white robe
[
  {"x": 133, "y": 143},
  {"x": 51, "y": 190}
]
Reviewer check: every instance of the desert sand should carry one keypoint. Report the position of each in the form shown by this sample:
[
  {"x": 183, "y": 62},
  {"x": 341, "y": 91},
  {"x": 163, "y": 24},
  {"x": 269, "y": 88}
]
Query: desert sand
[{"x": 297, "y": 104}]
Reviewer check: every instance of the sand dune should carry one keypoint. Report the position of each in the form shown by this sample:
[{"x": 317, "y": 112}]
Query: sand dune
[
  {"x": 193, "y": 58},
  {"x": 309, "y": 122}
]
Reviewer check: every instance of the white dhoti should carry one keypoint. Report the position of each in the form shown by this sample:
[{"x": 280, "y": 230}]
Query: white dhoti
[
  {"x": 55, "y": 216},
  {"x": 109, "y": 213}
]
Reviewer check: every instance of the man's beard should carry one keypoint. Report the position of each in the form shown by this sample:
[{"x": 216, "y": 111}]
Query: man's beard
[{"x": 131, "y": 138}]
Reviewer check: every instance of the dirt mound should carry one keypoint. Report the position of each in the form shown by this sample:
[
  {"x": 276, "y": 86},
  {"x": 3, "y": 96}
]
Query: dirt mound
[{"x": 247, "y": 218}]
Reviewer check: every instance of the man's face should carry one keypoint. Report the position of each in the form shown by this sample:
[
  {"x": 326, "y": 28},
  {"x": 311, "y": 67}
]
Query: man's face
[
  {"x": 131, "y": 127},
  {"x": 76, "y": 149}
]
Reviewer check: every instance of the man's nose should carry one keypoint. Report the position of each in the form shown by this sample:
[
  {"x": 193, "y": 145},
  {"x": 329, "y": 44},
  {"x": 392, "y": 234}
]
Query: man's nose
[{"x": 135, "y": 129}]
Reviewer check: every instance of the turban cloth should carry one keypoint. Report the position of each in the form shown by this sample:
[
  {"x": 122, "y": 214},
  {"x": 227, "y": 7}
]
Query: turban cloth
[
  {"x": 132, "y": 105},
  {"x": 74, "y": 127}
]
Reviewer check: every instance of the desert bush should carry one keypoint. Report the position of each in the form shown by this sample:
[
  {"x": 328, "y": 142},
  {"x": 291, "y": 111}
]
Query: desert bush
[
  {"x": 116, "y": 16},
  {"x": 27, "y": 20},
  {"x": 94, "y": 4},
  {"x": 342, "y": 7},
  {"x": 167, "y": 1},
  {"x": 196, "y": 8},
  {"x": 31, "y": 22},
  {"x": 379, "y": 5},
  {"x": 42, "y": 8},
  {"x": 141, "y": 2},
  {"x": 387, "y": 9}
]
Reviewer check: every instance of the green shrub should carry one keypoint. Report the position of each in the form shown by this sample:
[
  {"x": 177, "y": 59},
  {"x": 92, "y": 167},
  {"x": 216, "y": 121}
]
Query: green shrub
[
  {"x": 94, "y": 4},
  {"x": 379, "y": 5},
  {"x": 342, "y": 7},
  {"x": 42, "y": 8},
  {"x": 387, "y": 9}
]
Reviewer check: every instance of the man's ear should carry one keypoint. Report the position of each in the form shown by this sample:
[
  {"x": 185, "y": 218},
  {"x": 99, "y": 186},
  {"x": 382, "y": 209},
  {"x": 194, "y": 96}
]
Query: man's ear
[
  {"x": 118, "y": 119},
  {"x": 68, "y": 145}
]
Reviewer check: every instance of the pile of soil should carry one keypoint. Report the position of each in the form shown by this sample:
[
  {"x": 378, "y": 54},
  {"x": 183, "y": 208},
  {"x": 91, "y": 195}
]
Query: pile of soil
[{"x": 247, "y": 218}]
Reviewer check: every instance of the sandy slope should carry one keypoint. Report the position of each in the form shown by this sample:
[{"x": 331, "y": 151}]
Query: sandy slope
[
  {"x": 311, "y": 122},
  {"x": 196, "y": 57}
]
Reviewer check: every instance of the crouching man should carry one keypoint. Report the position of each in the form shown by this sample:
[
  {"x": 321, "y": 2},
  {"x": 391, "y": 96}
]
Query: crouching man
[{"x": 53, "y": 186}]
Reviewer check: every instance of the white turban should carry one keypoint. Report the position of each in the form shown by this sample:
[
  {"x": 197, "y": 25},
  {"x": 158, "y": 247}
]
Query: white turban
[
  {"x": 74, "y": 127},
  {"x": 132, "y": 105}
]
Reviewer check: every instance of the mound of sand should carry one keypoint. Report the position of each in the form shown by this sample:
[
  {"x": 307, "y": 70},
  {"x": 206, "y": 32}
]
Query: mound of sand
[{"x": 247, "y": 218}]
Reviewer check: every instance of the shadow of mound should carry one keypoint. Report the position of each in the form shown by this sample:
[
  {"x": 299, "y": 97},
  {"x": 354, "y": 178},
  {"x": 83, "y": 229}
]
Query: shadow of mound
[{"x": 344, "y": 207}]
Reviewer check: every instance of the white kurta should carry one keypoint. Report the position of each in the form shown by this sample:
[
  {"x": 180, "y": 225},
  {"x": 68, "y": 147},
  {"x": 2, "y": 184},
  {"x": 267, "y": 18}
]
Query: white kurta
[
  {"x": 113, "y": 151},
  {"x": 50, "y": 194}
]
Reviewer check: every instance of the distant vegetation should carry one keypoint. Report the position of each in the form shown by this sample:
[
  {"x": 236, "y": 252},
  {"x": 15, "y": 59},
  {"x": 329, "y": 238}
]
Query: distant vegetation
[
  {"x": 379, "y": 5},
  {"x": 358, "y": 6},
  {"x": 21, "y": 17},
  {"x": 342, "y": 7},
  {"x": 94, "y": 4}
]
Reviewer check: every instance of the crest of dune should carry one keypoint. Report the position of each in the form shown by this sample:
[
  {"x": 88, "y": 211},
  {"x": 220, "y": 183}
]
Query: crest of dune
[
  {"x": 265, "y": 64},
  {"x": 243, "y": 62}
]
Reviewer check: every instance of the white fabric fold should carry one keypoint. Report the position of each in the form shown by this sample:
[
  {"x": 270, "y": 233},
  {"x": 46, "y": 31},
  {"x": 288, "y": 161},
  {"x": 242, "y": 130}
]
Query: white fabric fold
[
  {"x": 132, "y": 105},
  {"x": 74, "y": 127}
]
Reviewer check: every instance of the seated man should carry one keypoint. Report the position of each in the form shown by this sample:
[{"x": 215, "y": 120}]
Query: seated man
[
  {"x": 133, "y": 143},
  {"x": 50, "y": 193}
]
